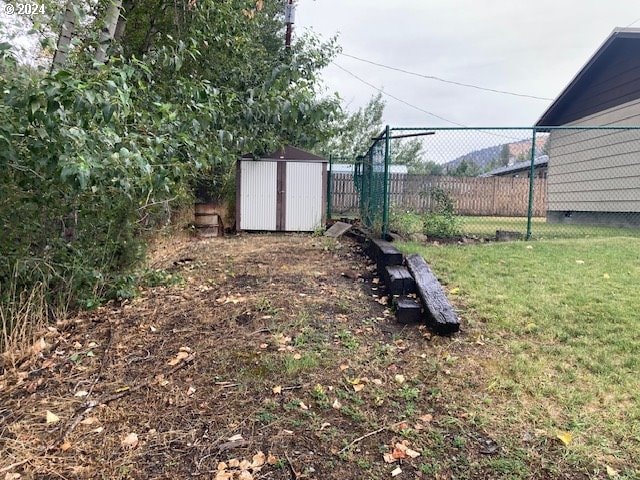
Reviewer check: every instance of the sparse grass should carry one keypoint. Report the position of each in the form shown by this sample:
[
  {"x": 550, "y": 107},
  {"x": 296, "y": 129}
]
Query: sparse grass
[{"x": 558, "y": 323}]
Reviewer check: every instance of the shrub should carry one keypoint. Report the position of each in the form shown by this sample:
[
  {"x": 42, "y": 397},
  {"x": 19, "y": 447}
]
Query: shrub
[{"x": 442, "y": 222}]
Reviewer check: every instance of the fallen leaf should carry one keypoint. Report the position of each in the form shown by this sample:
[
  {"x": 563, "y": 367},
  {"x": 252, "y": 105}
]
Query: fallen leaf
[
  {"x": 358, "y": 387},
  {"x": 223, "y": 466},
  {"x": 454, "y": 291},
  {"x": 303, "y": 406},
  {"x": 98, "y": 430},
  {"x": 272, "y": 459},
  {"x": 179, "y": 357},
  {"x": 245, "y": 465},
  {"x": 336, "y": 404},
  {"x": 377, "y": 381},
  {"x": 297, "y": 356},
  {"x": 344, "y": 367},
  {"x": 412, "y": 453},
  {"x": 65, "y": 446},
  {"x": 399, "y": 378},
  {"x": 89, "y": 421},
  {"x": 12, "y": 476},
  {"x": 191, "y": 391},
  {"x": 52, "y": 417},
  {"x": 277, "y": 390},
  {"x": 612, "y": 472},
  {"x": 258, "y": 460},
  {"x": 245, "y": 475},
  {"x": 564, "y": 437},
  {"x": 236, "y": 438},
  {"x": 130, "y": 441},
  {"x": 398, "y": 454},
  {"x": 388, "y": 458},
  {"x": 153, "y": 329},
  {"x": 81, "y": 393},
  {"x": 39, "y": 346},
  {"x": 396, "y": 472}
]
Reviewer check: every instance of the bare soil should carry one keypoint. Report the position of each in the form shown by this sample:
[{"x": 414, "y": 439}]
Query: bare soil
[{"x": 275, "y": 358}]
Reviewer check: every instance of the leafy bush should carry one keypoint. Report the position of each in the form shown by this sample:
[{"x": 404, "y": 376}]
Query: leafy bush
[
  {"x": 442, "y": 222},
  {"x": 406, "y": 222}
]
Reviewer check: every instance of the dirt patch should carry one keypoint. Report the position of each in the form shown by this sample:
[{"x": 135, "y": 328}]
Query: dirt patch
[{"x": 276, "y": 348}]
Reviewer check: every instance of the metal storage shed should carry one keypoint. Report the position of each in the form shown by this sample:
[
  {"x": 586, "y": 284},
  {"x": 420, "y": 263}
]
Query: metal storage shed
[{"x": 284, "y": 191}]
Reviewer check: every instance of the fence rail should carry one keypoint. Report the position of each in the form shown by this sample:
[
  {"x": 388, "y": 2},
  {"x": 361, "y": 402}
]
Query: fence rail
[{"x": 488, "y": 196}]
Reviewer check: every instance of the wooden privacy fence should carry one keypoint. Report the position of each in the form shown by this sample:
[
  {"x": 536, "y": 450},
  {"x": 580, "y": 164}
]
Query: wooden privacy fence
[{"x": 491, "y": 196}]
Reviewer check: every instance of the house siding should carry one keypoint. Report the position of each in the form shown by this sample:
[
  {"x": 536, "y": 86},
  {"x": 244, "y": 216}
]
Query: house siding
[{"x": 596, "y": 170}]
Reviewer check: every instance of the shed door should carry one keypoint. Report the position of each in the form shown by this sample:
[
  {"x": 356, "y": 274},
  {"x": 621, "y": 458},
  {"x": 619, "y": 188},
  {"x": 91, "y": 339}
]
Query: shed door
[
  {"x": 303, "y": 197},
  {"x": 258, "y": 190}
]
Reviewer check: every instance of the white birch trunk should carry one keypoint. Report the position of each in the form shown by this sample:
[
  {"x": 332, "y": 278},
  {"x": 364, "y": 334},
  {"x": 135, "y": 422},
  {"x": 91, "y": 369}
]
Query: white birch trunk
[
  {"x": 108, "y": 30},
  {"x": 66, "y": 34}
]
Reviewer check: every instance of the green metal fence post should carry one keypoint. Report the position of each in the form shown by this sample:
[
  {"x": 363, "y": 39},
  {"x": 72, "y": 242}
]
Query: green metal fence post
[
  {"x": 329, "y": 187},
  {"x": 385, "y": 188},
  {"x": 532, "y": 170}
]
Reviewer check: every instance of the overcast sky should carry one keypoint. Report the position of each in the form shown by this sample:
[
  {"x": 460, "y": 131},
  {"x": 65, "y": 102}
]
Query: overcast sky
[{"x": 527, "y": 47}]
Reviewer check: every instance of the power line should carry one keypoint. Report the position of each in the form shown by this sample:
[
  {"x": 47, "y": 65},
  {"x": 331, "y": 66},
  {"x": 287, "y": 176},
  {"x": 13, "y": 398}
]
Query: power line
[
  {"x": 633, "y": 23},
  {"x": 460, "y": 84},
  {"x": 398, "y": 99},
  {"x": 414, "y": 106}
]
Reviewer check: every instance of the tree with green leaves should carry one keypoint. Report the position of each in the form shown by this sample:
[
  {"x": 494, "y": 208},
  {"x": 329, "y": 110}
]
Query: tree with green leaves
[{"x": 92, "y": 150}]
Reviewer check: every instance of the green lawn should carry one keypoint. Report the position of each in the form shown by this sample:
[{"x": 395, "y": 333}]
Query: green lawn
[
  {"x": 487, "y": 226},
  {"x": 553, "y": 331}
]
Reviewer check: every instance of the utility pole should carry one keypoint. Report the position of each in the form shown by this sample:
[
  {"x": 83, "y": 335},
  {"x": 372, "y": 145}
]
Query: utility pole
[{"x": 289, "y": 19}]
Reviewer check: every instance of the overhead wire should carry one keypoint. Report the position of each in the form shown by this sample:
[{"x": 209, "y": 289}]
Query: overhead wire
[
  {"x": 383, "y": 92},
  {"x": 398, "y": 99},
  {"x": 439, "y": 79}
]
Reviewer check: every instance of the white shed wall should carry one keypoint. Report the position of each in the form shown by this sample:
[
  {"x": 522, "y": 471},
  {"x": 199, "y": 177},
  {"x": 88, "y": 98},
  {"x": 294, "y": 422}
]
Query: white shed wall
[
  {"x": 596, "y": 170},
  {"x": 304, "y": 197},
  {"x": 258, "y": 189}
]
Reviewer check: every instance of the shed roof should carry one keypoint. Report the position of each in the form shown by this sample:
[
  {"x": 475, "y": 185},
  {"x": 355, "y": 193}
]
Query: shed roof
[
  {"x": 610, "y": 78},
  {"x": 290, "y": 153}
]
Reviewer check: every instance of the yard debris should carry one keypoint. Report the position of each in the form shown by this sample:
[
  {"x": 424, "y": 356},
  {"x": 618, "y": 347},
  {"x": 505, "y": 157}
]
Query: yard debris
[
  {"x": 612, "y": 472},
  {"x": 397, "y": 471},
  {"x": 130, "y": 441},
  {"x": 565, "y": 437},
  {"x": 277, "y": 390},
  {"x": 52, "y": 417},
  {"x": 180, "y": 356},
  {"x": 337, "y": 229}
]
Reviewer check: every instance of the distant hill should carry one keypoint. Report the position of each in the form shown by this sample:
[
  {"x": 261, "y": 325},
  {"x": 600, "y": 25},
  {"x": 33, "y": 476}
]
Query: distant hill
[{"x": 490, "y": 156}]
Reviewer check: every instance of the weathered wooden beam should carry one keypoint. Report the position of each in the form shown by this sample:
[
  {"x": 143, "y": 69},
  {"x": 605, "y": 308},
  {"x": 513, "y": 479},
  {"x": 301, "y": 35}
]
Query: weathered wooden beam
[
  {"x": 398, "y": 280},
  {"x": 441, "y": 317},
  {"x": 384, "y": 254},
  {"x": 407, "y": 310}
]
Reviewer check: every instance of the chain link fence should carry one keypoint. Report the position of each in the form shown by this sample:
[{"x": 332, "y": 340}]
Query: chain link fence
[{"x": 511, "y": 183}]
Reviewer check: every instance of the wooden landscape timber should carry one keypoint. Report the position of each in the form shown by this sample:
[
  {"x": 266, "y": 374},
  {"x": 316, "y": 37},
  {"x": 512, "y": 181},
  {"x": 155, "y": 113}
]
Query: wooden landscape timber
[
  {"x": 441, "y": 317},
  {"x": 408, "y": 310},
  {"x": 384, "y": 254},
  {"x": 398, "y": 280}
]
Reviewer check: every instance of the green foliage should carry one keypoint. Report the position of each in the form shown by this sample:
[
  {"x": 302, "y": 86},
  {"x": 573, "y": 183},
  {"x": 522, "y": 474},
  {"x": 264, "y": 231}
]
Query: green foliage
[
  {"x": 442, "y": 221},
  {"x": 93, "y": 155}
]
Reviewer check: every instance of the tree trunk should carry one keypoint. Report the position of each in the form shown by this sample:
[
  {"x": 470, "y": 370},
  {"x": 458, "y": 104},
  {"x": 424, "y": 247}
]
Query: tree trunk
[
  {"x": 127, "y": 6},
  {"x": 66, "y": 34},
  {"x": 108, "y": 30}
]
